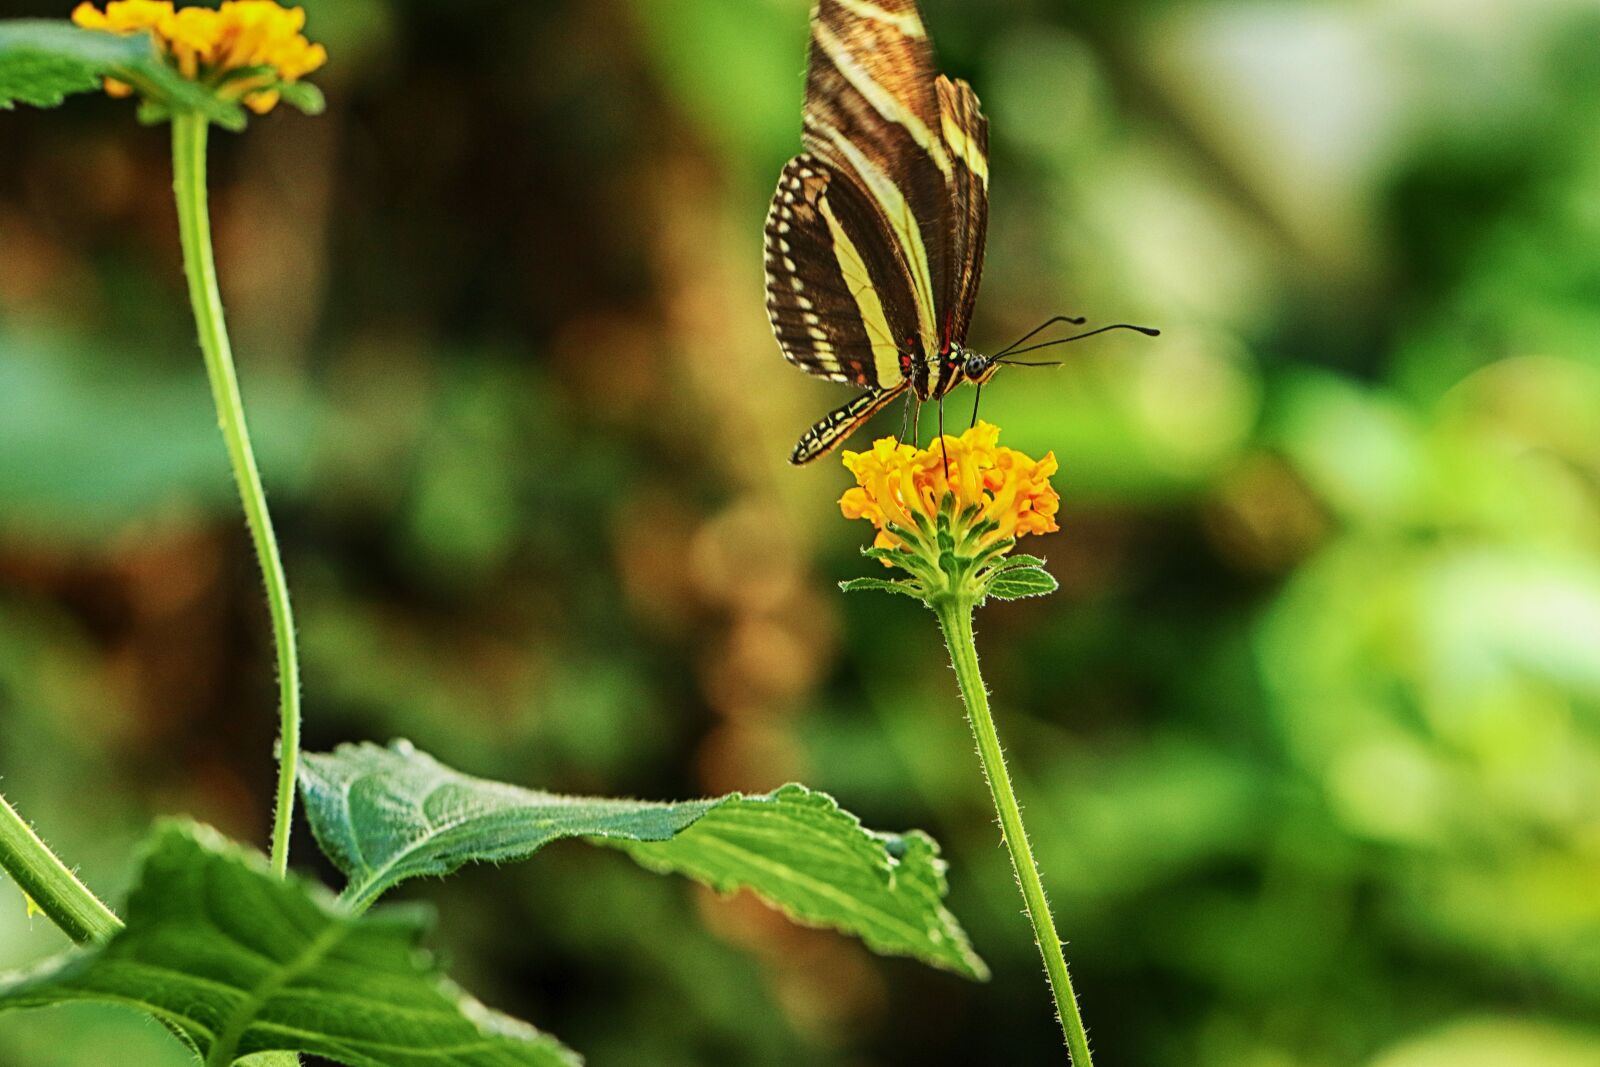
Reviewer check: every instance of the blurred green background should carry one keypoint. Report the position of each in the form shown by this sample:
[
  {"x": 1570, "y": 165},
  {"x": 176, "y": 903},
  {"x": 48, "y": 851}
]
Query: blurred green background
[{"x": 1309, "y": 742}]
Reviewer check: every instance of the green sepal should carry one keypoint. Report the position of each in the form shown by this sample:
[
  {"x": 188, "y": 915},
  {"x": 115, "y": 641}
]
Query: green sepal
[
  {"x": 909, "y": 560},
  {"x": 882, "y": 585},
  {"x": 1021, "y": 583},
  {"x": 153, "y": 113},
  {"x": 908, "y": 536},
  {"x": 303, "y": 97}
]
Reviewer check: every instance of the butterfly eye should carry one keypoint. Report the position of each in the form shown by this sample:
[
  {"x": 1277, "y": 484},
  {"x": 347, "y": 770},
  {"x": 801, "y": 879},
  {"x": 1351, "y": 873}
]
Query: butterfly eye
[{"x": 976, "y": 366}]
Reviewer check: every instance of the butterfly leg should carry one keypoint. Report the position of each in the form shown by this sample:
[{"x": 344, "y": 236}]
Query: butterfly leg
[
  {"x": 975, "y": 400},
  {"x": 905, "y": 417},
  {"x": 944, "y": 450}
]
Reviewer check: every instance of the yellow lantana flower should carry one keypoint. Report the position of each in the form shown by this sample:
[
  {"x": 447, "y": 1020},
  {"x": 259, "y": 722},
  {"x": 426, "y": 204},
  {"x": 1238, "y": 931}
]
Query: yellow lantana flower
[
  {"x": 895, "y": 483},
  {"x": 949, "y": 513},
  {"x": 243, "y": 49}
]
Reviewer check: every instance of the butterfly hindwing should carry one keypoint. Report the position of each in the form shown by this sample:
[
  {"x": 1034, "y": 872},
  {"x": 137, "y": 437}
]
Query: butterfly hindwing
[
  {"x": 966, "y": 137},
  {"x": 826, "y": 435},
  {"x": 837, "y": 294}
]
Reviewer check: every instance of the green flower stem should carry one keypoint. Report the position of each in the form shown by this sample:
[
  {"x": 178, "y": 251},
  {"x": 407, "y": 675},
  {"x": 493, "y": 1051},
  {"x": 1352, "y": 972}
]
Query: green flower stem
[
  {"x": 955, "y": 618},
  {"x": 49, "y": 884},
  {"x": 194, "y": 225}
]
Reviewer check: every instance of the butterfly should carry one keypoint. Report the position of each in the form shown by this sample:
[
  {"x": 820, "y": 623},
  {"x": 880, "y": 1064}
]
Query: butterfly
[{"x": 875, "y": 240}]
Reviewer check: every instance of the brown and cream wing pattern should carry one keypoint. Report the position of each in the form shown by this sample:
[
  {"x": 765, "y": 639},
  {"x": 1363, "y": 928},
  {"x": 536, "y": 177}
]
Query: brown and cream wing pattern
[
  {"x": 966, "y": 136},
  {"x": 838, "y": 296},
  {"x": 872, "y": 110}
]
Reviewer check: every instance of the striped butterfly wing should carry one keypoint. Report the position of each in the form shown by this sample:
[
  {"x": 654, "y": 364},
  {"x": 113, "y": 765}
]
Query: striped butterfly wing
[
  {"x": 966, "y": 137},
  {"x": 917, "y": 144},
  {"x": 837, "y": 294},
  {"x": 839, "y": 424},
  {"x": 871, "y": 111},
  {"x": 875, "y": 241}
]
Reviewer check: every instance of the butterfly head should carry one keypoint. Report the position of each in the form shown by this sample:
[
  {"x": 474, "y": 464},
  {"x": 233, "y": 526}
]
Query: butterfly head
[{"x": 977, "y": 368}]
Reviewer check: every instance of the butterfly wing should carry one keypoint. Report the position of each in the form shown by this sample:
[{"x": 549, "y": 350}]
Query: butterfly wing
[
  {"x": 872, "y": 111},
  {"x": 839, "y": 298},
  {"x": 875, "y": 240},
  {"x": 826, "y": 435},
  {"x": 966, "y": 136}
]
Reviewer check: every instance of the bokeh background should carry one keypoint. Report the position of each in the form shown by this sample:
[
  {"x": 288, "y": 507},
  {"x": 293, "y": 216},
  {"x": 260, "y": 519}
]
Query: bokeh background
[{"x": 1309, "y": 741}]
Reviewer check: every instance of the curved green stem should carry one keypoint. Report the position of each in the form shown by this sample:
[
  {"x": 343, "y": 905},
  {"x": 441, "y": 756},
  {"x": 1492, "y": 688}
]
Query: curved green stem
[
  {"x": 955, "y": 618},
  {"x": 49, "y": 884},
  {"x": 194, "y": 225}
]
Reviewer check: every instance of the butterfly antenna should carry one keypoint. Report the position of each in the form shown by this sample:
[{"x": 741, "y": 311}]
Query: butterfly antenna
[
  {"x": 1031, "y": 334},
  {"x": 1146, "y": 330}
]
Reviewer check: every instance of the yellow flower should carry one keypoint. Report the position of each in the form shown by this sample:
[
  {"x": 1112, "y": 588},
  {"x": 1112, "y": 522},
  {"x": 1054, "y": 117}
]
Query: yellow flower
[
  {"x": 947, "y": 515},
  {"x": 968, "y": 475},
  {"x": 213, "y": 45}
]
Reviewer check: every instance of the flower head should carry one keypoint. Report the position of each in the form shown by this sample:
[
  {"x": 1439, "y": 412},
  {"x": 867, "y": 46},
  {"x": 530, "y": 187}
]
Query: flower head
[
  {"x": 896, "y": 483},
  {"x": 949, "y": 513},
  {"x": 243, "y": 50}
]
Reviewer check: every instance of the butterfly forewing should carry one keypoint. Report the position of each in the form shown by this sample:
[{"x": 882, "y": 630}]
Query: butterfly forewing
[
  {"x": 872, "y": 110},
  {"x": 837, "y": 296}
]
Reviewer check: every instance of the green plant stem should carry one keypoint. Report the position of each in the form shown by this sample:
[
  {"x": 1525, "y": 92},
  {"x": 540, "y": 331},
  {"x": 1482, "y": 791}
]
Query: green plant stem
[
  {"x": 194, "y": 226},
  {"x": 955, "y": 618},
  {"x": 49, "y": 884}
]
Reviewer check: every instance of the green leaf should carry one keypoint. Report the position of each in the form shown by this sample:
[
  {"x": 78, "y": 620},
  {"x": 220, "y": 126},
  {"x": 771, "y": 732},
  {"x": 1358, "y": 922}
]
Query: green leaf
[
  {"x": 1018, "y": 562},
  {"x": 42, "y": 61},
  {"x": 303, "y": 97},
  {"x": 237, "y": 962},
  {"x": 881, "y": 585},
  {"x": 1020, "y": 583},
  {"x": 384, "y": 815},
  {"x": 798, "y": 850},
  {"x": 387, "y": 815}
]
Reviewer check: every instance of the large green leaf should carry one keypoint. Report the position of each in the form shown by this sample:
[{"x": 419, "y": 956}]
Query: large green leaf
[
  {"x": 42, "y": 61},
  {"x": 384, "y": 815},
  {"x": 237, "y": 961}
]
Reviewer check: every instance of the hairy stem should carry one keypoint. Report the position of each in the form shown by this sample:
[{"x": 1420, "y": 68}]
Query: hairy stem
[
  {"x": 49, "y": 884},
  {"x": 194, "y": 225},
  {"x": 955, "y": 618}
]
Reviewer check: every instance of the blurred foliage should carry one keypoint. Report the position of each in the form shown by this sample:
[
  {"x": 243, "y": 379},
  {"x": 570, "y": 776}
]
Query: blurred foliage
[{"x": 1310, "y": 742}]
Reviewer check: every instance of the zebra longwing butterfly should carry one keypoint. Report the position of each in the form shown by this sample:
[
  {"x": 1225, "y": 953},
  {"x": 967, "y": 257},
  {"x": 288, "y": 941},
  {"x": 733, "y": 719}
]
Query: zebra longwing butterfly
[
  {"x": 876, "y": 235},
  {"x": 875, "y": 240}
]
